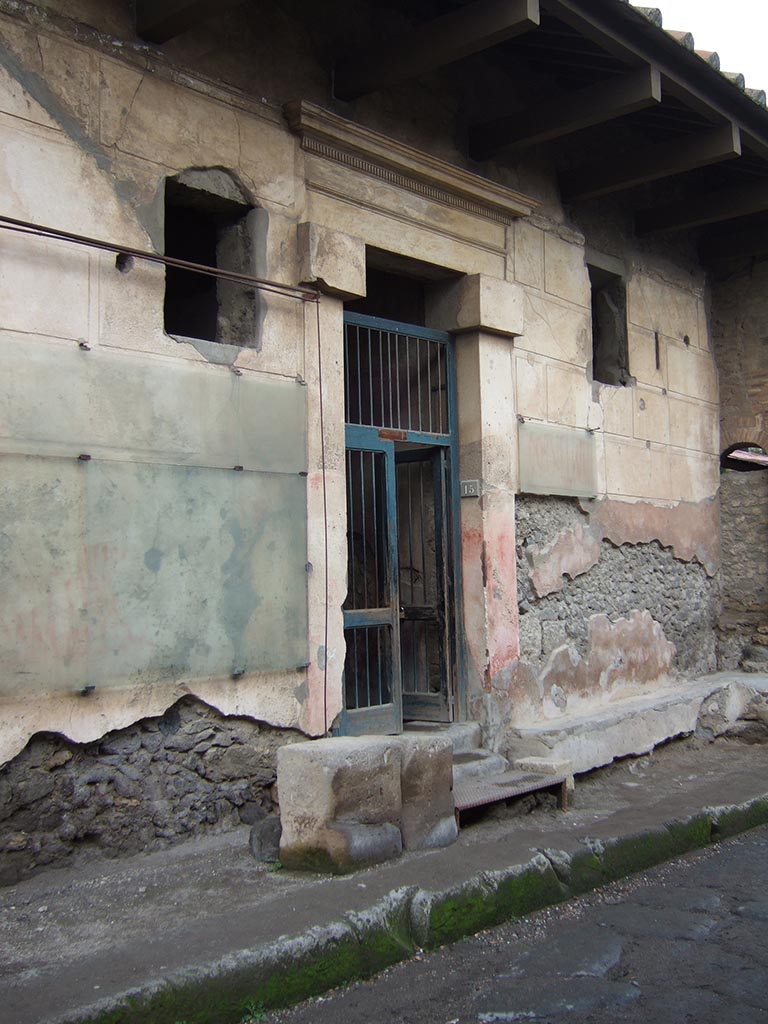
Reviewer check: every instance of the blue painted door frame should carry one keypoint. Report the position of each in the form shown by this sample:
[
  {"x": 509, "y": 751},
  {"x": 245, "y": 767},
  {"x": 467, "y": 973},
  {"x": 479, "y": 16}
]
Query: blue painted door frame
[{"x": 378, "y": 627}]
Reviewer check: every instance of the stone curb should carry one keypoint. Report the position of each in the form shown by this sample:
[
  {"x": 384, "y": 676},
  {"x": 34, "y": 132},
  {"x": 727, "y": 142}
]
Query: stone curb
[{"x": 406, "y": 921}]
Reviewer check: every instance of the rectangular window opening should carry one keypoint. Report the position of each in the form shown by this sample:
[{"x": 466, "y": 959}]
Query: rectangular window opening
[
  {"x": 204, "y": 228},
  {"x": 610, "y": 354}
]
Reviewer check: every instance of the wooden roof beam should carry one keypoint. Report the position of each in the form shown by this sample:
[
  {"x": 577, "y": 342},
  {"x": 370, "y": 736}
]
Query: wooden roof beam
[
  {"x": 161, "y": 20},
  {"x": 749, "y": 240},
  {"x": 423, "y": 48},
  {"x": 651, "y": 163},
  {"x": 567, "y": 113},
  {"x": 712, "y": 208},
  {"x": 608, "y": 25}
]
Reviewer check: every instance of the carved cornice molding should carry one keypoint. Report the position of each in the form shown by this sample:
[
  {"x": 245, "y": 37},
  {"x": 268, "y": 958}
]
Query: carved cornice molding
[{"x": 369, "y": 152}]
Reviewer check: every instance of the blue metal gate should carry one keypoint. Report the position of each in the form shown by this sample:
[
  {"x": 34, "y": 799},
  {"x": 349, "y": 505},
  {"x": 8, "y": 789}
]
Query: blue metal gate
[{"x": 399, "y": 615}]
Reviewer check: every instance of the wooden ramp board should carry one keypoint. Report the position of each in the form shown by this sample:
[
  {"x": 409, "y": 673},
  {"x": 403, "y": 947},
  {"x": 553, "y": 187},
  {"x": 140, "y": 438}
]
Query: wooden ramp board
[{"x": 493, "y": 788}]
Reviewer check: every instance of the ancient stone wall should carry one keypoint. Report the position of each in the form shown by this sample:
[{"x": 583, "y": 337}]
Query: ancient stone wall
[
  {"x": 611, "y": 617},
  {"x": 190, "y": 771},
  {"x": 744, "y": 525},
  {"x": 739, "y": 312}
]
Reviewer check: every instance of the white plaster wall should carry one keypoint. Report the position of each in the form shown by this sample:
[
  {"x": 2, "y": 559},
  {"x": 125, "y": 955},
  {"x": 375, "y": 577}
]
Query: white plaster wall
[
  {"x": 87, "y": 143},
  {"x": 655, "y": 440}
]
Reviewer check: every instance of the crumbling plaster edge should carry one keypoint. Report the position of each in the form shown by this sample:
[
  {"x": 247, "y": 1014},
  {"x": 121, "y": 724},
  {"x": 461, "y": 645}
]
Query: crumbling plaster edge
[
  {"x": 595, "y": 532},
  {"x": 87, "y": 718}
]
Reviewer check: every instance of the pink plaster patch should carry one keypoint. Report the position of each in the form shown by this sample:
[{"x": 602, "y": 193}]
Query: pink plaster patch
[{"x": 571, "y": 553}]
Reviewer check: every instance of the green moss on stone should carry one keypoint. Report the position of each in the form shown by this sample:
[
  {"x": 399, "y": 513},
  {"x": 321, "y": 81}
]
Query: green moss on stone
[
  {"x": 740, "y": 819},
  {"x": 488, "y": 902},
  {"x": 586, "y": 873},
  {"x": 630, "y": 854}
]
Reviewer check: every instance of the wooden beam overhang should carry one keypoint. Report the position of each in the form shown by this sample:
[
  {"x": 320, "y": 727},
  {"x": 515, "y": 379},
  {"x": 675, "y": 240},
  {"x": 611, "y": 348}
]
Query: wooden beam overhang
[
  {"x": 622, "y": 31},
  {"x": 161, "y": 20},
  {"x": 566, "y": 114},
  {"x": 651, "y": 163},
  {"x": 749, "y": 240},
  {"x": 712, "y": 208},
  {"x": 442, "y": 41}
]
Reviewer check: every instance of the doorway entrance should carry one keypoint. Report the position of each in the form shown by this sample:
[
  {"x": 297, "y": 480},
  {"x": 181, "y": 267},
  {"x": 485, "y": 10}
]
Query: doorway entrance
[{"x": 400, "y": 611}]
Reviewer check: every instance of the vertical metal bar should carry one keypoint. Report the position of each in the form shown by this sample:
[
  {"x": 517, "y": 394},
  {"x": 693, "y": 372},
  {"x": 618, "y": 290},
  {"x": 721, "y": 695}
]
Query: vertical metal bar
[
  {"x": 367, "y": 668},
  {"x": 375, "y": 519},
  {"x": 359, "y": 382},
  {"x": 399, "y": 423},
  {"x": 371, "y": 418},
  {"x": 389, "y": 377},
  {"x": 439, "y": 392},
  {"x": 454, "y": 574},
  {"x": 430, "y": 344},
  {"x": 351, "y": 530},
  {"x": 381, "y": 422},
  {"x": 419, "y": 424},
  {"x": 410, "y": 563},
  {"x": 423, "y": 539},
  {"x": 410, "y": 393},
  {"x": 362, "y": 529},
  {"x": 378, "y": 663},
  {"x": 441, "y": 567},
  {"x": 408, "y": 467},
  {"x": 346, "y": 373},
  {"x": 357, "y": 671}
]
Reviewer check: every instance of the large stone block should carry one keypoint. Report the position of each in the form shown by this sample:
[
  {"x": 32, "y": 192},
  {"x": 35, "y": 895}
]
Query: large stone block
[
  {"x": 692, "y": 373},
  {"x": 556, "y": 330},
  {"x": 568, "y": 395},
  {"x": 531, "y": 387},
  {"x": 340, "y": 803},
  {"x": 651, "y": 416},
  {"x": 428, "y": 819},
  {"x": 478, "y": 302},
  {"x": 332, "y": 260},
  {"x": 565, "y": 270}
]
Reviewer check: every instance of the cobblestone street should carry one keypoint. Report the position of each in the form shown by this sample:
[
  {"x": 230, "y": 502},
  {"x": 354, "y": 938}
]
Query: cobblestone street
[{"x": 683, "y": 942}]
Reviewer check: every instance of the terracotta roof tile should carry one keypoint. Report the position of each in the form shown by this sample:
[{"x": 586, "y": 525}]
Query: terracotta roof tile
[{"x": 655, "y": 16}]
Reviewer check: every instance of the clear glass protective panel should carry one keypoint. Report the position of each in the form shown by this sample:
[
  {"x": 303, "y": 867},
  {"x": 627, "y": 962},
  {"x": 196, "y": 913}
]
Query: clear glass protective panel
[
  {"x": 557, "y": 460},
  {"x": 56, "y": 399},
  {"x": 116, "y": 573}
]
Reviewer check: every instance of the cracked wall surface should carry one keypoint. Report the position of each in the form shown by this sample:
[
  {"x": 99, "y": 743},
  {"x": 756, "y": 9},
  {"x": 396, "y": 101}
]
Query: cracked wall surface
[{"x": 606, "y": 618}]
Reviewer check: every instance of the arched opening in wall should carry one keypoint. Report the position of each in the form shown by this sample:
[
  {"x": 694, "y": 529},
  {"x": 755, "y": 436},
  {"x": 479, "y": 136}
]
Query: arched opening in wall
[
  {"x": 208, "y": 220},
  {"x": 744, "y": 458}
]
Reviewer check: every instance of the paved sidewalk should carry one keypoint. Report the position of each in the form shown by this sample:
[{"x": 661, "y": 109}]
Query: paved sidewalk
[{"x": 201, "y": 934}]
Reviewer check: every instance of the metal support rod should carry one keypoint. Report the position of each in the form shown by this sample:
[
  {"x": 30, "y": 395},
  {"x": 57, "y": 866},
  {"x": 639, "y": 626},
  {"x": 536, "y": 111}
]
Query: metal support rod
[{"x": 38, "y": 230}]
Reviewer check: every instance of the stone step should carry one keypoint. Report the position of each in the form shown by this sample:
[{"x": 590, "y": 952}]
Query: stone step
[
  {"x": 475, "y": 764},
  {"x": 464, "y": 736},
  {"x": 634, "y": 726}
]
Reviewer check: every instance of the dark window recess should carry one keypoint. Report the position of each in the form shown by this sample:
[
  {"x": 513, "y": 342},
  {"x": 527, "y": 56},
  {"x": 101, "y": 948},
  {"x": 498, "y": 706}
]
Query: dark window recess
[
  {"x": 392, "y": 297},
  {"x": 610, "y": 356},
  {"x": 204, "y": 228}
]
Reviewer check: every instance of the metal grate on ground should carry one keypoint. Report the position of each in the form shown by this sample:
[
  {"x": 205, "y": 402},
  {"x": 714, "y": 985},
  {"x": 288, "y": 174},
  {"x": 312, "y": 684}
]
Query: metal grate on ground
[{"x": 495, "y": 788}]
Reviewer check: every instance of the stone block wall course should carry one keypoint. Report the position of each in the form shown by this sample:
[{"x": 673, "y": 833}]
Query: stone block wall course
[{"x": 188, "y": 772}]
